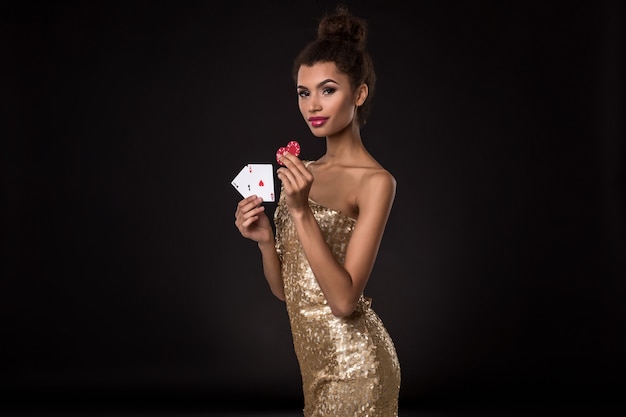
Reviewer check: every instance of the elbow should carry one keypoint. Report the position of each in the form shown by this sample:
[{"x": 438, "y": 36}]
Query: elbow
[
  {"x": 280, "y": 296},
  {"x": 342, "y": 309},
  {"x": 279, "y": 293}
]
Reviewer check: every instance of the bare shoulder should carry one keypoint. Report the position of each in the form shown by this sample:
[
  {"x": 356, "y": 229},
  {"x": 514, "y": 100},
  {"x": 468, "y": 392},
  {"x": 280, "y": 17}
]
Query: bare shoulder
[
  {"x": 379, "y": 184},
  {"x": 379, "y": 178}
]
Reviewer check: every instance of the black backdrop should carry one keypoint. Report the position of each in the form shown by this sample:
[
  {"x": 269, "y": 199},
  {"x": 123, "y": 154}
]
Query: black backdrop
[{"x": 501, "y": 273}]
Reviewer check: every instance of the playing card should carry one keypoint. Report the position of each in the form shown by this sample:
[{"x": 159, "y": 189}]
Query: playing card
[{"x": 256, "y": 179}]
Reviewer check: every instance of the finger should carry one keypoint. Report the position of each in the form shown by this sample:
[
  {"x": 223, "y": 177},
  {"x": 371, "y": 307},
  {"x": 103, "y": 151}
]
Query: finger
[
  {"x": 293, "y": 167},
  {"x": 249, "y": 221},
  {"x": 248, "y": 204},
  {"x": 247, "y": 200},
  {"x": 289, "y": 159},
  {"x": 293, "y": 181},
  {"x": 294, "y": 164},
  {"x": 254, "y": 212},
  {"x": 244, "y": 220},
  {"x": 286, "y": 176}
]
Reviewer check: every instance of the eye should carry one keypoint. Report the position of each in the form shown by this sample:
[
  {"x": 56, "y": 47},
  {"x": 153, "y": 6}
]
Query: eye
[
  {"x": 328, "y": 90},
  {"x": 303, "y": 93}
]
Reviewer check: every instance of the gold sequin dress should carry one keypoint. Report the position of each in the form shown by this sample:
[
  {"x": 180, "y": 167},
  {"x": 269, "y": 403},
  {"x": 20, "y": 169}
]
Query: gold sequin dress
[{"x": 349, "y": 365}]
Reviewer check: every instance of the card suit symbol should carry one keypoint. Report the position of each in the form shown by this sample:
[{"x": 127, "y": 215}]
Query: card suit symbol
[
  {"x": 292, "y": 147},
  {"x": 261, "y": 183}
]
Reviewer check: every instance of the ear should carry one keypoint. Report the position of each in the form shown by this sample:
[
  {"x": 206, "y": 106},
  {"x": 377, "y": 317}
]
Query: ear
[{"x": 361, "y": 94}]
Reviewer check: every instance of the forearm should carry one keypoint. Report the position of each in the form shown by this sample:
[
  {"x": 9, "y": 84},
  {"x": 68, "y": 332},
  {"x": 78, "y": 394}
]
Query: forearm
[
  {"x": 333, "y": 279},
  {"x": 272, "y": 268}
]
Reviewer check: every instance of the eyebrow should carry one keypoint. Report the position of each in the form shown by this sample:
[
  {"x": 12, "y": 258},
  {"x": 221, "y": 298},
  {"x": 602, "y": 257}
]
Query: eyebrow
[{"x": 327, "y": 80}]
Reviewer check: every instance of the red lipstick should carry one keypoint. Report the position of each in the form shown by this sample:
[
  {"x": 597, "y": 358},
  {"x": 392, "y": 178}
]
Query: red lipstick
[{"x": 317, "y": 121}]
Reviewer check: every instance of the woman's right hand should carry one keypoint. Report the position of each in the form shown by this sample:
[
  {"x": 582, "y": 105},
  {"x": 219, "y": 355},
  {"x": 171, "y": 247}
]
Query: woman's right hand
[{"x": 251, "y": 220}]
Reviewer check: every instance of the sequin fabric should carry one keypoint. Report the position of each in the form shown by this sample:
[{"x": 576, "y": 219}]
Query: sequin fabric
[{"x": 349, "y": 365}]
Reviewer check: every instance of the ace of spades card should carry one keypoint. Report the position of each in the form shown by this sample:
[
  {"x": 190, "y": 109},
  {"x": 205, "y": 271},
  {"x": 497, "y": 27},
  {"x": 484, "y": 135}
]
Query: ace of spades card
[{"x": 256, "y": 179}]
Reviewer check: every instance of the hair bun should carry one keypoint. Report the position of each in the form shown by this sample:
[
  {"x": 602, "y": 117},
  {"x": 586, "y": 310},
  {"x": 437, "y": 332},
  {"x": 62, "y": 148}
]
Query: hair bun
[{"x": 343, "y": 26}]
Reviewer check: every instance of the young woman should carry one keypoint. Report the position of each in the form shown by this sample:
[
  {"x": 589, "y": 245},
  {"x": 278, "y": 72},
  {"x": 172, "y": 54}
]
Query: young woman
[{"x": 329, "y": 224}]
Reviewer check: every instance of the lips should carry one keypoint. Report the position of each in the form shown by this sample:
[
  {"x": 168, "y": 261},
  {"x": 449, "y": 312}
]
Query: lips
[{"x": 317, "y": 121}]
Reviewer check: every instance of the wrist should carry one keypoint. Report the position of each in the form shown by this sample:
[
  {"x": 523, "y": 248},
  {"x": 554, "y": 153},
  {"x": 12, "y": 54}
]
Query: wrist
[
  {"x": 265, "y": 244},
  {"x": 300, "y": 213}
]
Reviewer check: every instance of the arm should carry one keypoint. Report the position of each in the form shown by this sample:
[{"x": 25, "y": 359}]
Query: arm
[
  {"x": 271, "y": 268},
  {"x": 341, "y": 284},
  {"x": 253, "y": 223}
]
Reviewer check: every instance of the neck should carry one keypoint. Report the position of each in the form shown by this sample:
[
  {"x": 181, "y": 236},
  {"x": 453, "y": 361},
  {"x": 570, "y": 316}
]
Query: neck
[{"x": 344, "y": 144}]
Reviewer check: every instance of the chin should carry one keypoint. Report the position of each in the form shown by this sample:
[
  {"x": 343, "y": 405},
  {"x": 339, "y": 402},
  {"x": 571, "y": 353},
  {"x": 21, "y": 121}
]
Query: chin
[{"x": 318, "y": 133}]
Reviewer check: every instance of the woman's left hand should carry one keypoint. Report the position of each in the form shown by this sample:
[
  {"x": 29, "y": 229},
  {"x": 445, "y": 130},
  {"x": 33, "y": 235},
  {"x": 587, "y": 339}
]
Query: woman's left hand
[{"x": 297, "y": 181}]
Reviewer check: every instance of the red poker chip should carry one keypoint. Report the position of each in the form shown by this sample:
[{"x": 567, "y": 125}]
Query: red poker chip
[
  {"x": 292, "y": 147},
  {"x": 280, "y": 152}
]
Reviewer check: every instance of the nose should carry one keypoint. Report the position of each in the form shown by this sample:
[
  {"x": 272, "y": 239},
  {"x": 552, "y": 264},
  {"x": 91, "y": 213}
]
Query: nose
[{"x": 314, "y": 104}]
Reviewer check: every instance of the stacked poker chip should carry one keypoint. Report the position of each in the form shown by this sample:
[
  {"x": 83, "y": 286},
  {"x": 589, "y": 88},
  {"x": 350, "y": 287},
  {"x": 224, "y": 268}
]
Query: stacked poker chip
[{"x": 292, "y": 147}]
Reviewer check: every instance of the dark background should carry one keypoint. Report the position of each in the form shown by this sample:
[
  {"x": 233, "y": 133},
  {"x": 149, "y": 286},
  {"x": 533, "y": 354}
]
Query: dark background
[{"x": 501, "y": 273}]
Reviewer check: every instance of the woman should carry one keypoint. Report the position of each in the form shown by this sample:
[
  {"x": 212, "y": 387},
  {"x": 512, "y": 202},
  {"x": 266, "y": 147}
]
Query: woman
[{"x": 329, "y": 223}]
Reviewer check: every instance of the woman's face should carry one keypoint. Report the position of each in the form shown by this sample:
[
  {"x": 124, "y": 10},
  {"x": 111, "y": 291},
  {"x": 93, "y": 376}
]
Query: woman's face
[{"x": 325, "y": 98}]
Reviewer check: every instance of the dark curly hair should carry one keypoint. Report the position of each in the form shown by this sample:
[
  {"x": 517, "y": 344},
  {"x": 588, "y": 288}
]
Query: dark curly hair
[{"x": 341, "y": 40}]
